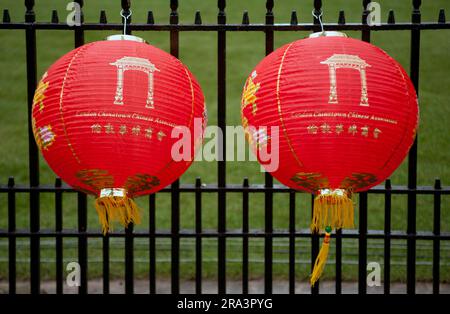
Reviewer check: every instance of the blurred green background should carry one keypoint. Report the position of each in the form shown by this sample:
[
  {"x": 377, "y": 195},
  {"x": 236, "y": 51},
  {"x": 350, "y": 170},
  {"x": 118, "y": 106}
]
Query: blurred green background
[{"x": 198, "y": 50}]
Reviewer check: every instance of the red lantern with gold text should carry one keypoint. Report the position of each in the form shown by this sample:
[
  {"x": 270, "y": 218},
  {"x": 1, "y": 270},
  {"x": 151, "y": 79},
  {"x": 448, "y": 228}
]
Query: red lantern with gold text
[
  {"x": 103, "y": 116},
  {"x": 347, "y": 115}
]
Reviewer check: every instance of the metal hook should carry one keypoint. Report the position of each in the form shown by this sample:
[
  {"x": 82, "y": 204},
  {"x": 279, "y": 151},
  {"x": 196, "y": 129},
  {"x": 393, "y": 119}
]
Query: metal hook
[
  {"x": 125, "y": 20},
  {"x": 319, "y": 18}
]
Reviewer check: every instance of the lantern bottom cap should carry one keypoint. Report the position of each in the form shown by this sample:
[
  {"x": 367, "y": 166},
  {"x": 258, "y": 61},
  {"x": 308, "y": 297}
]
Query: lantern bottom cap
[
  {"x": 337, "y": 192},
  {"x": 113, "y": 192}
]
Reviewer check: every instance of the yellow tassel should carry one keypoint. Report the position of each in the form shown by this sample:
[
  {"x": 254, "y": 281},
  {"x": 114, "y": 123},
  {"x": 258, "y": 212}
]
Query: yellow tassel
[
  {"x": 332, "y": 208},
  {"x": 116, "y": 208},
  {"x": 321, "y": 259}
]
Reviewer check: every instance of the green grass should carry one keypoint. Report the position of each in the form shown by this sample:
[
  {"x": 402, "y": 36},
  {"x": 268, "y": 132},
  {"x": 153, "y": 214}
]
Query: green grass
[{"x": 244, "y": 50}]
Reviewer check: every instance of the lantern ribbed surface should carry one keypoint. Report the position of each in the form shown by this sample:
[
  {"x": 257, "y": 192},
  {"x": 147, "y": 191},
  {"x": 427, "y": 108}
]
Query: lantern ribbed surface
[
  {"x": 347, "y": 113},
  {"x": 103, "y": 116}
]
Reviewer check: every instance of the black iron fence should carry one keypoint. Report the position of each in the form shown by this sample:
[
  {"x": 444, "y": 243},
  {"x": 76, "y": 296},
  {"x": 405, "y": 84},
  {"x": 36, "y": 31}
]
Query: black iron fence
[{"x": 221, "y": 188}]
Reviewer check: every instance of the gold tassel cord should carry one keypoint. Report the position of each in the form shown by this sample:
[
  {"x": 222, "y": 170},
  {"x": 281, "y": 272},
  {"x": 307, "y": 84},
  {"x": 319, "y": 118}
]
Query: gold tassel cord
[
  {"x": 332, "y": 208},
  {"x": 116, "y": 208},
  {"x": 322, "y": 257}
]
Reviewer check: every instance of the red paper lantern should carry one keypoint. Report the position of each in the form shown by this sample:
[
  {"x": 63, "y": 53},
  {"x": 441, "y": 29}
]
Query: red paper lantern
[
  {"x": 347, "y": 115},
  {"x": 102, "y": 118}
]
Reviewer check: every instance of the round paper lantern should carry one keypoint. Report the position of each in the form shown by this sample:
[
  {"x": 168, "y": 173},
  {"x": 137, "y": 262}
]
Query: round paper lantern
[
  {"x": 103, "y": 116},
  {"x": 346, "y": 115}
]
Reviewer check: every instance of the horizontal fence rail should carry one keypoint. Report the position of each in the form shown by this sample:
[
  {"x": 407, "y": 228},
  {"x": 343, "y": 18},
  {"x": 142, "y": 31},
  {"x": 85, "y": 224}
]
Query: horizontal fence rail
[
  {"x": 224, "y": 236},
  {"x": 229, "y": 27}
]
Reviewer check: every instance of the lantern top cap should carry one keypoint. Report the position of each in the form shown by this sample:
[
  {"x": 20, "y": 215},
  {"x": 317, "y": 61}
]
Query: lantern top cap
[
  {"x": 327, "y": 34},
  {"x": 125, "y": 37}
]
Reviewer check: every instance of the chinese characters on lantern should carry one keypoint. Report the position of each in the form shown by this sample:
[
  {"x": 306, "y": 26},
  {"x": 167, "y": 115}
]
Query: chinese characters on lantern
[
  {"x": 326, "y": 128},
  {"x": 135, "y": 130}
]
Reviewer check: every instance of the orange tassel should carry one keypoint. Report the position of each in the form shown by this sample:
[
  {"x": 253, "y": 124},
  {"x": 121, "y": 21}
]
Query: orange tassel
[
  {"x": 321, "y": 258},
  {"x": 332, "y": 208},
  {"x": 114, "y": 205}
]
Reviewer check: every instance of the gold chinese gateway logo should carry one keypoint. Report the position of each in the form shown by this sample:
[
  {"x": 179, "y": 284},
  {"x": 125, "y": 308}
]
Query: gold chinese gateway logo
[
  {"x": 134, "y": 64},
  {"x": 338, "y": 61}
]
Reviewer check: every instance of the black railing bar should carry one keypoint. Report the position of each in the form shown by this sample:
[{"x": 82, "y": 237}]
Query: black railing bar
[
  {"x": 11, "y": 243},
  {"x": 279, "y": 244},
  {"x": 245, "y": 240},
  {"x": 305, "y": 233},
  {"x": 229, "y": 260},
  {"x": 372, "y": 255},
  {"x": 362, "y": 242},
  {"x": 221, "y": 164},
  {"x": 412, "y": 156},
  {"x": 58, "y": 243},
  {"x": 33, "y": 155},
  {"x": 351, "y": 252},
  {"x": 212, "y": 231},
  {"x": 152, "y": 243},
  {"x": 237, "y": 188},
  {"x": 292, "y": 245},
  {"x": 175, "y": 194},
  {"x": 81, "y": 197},
  {"x": 387, "y": 241},
  {"x": 436, "y": 243},
  {"x": 227, "y": 27},
  {"x": 268, "y": 179},
  {"x": 82, "y": 241},
  {"x": 198, "y": 240},
  {"x": 129, "y": 238}
]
